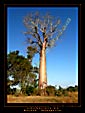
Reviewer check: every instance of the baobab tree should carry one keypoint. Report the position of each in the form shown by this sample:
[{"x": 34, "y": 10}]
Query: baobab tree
[{"x": 42, "y": 33}]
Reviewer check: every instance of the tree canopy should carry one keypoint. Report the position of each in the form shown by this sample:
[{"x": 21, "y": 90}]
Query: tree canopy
[
  {"x": 21, "y": 70},
  {"x": 43, "y": 28}
]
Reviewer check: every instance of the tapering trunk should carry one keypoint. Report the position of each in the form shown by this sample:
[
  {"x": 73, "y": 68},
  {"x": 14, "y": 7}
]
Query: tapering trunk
[{"x": 42, "y": 68}]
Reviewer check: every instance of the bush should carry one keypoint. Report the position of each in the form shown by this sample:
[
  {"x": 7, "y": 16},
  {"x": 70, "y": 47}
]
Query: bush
[
  {"x": 17, "y": 93},
  {"x": 65, "y": 92},
  {"x": 71, "y": 88},
  {"x": 8, "y": 89},
  {"x": 29, "y": 90},
  {"x": 50, "y": 90},
  {"x": 13, "y": 91},
  {"x": 58, "y": 93},
  {"x": 36, "y": 92},
  {"x": 76, "y": 88}
]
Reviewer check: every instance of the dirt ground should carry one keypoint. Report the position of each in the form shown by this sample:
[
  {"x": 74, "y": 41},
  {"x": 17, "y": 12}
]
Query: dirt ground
[{"x": 71, "y": 98}]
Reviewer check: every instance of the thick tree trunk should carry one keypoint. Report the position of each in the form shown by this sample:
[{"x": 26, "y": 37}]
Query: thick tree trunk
[{"x": 42, "y": 68}]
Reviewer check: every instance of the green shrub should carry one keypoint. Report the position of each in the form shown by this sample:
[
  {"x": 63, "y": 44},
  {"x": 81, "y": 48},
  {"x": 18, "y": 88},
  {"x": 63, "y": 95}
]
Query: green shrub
[
  {"x": 72, "y": 89},
  {"x": 29, "y": 90},
  {"x": 35, "y": 92},
  {"x": 50, "y": 90}
]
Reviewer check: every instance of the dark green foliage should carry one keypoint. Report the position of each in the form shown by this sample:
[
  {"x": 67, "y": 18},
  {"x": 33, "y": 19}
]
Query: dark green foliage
[
  {"x": 13, "y": 91},
  {"x": 31, "y": 51},
  {"x": 50, "y": 90},
  {"x": 60, "y": 88},
  {"x": 59, "y": 92},
  {"x": 71, "y": 88},
  {"x": 62, "y": 91},
  {"x": 18, "y": 67},
  {"x": 21, "y": 70},
  {"x": 8, "y": 89},
  {"x": 35, "y": 92},
  {"x": 9, "y": 83},
  {"x": 36, "y": 69},
  {"x": 29, "y": 90},
  {"x": 76, "y": 88}
]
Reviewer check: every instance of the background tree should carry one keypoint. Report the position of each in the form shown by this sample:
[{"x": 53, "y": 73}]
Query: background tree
[
  {"x": 20, "y": 69},
  {"x": 31, "y": 51},
  {"x": 42, "y": 33}
]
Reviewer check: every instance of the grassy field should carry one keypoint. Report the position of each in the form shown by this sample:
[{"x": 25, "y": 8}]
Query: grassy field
[{"x": 71, "y": 98}]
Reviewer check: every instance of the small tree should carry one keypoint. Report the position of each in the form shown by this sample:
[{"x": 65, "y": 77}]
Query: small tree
[
  {"x": 21, "y": 70},
  {"x": 42, "y": 33}
]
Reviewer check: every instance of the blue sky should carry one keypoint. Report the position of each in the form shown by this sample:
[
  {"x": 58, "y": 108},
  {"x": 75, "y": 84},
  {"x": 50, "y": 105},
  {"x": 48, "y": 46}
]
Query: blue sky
[{"x": 62, "y": 60}]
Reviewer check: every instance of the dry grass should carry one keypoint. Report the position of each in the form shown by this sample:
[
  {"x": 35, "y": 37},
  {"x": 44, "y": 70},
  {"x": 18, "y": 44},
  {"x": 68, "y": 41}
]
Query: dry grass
[{"x": 71, "y": 98}]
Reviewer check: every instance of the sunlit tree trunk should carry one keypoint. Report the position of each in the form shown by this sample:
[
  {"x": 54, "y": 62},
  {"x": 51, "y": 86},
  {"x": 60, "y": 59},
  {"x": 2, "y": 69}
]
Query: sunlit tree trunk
[{"x": 42, "y": 68}]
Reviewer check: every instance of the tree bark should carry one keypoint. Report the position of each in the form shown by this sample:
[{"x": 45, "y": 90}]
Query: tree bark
[{"x": 42, "y": 68}]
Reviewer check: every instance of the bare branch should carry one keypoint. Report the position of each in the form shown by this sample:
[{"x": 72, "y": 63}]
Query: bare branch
[
  {"x": 47, "y": 26},
  {"x": 53, "y": 29},
  {"x": 31, "y": 41},
  {"x": 36, "y": 31},
  {"x": 52, "y": 42},
  {"x": 35, "y": 35}
]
